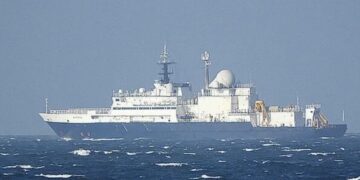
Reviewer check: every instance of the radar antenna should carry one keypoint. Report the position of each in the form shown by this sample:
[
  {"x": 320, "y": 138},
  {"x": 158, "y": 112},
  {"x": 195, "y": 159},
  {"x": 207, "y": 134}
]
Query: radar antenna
[
  {"x": 165, "y": 66},
  {"x": 206, "y": 58}
]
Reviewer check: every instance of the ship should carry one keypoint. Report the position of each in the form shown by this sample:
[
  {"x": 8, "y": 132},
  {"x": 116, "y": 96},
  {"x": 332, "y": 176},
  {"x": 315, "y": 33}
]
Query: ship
[{"x": 222, "y": 109}]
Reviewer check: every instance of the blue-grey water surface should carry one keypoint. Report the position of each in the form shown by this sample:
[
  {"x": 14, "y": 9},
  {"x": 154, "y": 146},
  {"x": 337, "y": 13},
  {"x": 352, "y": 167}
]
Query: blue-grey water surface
[{"x": 42, "y": 157}]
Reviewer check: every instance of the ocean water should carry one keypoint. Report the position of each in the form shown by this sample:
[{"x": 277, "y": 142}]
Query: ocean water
[{"x": 46, "y": 157}]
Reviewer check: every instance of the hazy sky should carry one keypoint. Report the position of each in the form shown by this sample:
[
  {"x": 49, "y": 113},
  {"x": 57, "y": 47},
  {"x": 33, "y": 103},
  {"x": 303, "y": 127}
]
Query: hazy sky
[{"x": 77, "y": 52}]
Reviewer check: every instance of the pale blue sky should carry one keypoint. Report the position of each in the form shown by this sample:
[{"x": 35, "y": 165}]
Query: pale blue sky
[{"x": 76, "y": 52}]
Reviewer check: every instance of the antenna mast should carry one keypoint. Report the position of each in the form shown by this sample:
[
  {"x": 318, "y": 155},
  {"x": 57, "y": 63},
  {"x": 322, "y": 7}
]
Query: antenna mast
[
  {"x": 206, "y": 58},
  {"x": 46, "y": 105},
  {"x": 165, "y": 66}
]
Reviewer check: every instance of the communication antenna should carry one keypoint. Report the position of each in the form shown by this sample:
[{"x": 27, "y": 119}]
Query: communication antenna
[
  {"x": 206, "y": 58},
  {"x": 46, "y": 105},
  {"x": 165, "y": 66}
]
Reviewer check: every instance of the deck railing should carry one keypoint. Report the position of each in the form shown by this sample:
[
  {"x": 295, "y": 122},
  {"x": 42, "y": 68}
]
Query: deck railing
[{"x": 81, "y": 111}]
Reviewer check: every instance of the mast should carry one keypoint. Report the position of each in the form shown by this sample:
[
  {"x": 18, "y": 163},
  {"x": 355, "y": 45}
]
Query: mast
[
  {"x": 164, "y": 62},
  {"x": 46, "y": 105},
  {"x": 206, "y": 58}
]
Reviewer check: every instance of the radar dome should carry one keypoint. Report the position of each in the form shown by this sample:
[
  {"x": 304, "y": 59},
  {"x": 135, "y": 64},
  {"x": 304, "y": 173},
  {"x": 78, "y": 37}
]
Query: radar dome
[{"x": 224, "y": 79}]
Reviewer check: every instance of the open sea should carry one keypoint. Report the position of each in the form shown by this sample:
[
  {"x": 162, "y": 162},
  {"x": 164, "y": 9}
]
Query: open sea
[{"x": 43, "y": 157}]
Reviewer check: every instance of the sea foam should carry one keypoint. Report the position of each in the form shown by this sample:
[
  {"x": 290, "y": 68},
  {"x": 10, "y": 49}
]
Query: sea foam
[
  {"x": 58, "y": 176},
  {"x": 81, "y": 152},
  {"x": 204, "y": 176},
  {"x": 171, "y": 164}
]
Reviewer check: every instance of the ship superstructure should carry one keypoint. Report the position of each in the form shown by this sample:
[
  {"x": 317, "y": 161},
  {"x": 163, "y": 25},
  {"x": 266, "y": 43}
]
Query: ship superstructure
[{"x": 221, "y": 109}]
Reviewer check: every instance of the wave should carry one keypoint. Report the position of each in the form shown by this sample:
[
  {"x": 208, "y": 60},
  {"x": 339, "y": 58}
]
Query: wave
[
  {"x": 81, "y": 152},
  {"x": 8, "y": 174},
  {"x": 210, "y": 149},
  {"x": 58, "y": 176},
  {"x": 204, "y": 176},
  {"x": 149, "y": 152},
  {"x": 171, "y": 164},
  {"x": 356, "y": 178},
  {"x": 221, "y": 152},
  {"x": 196, "y": 170},
  {"x": 162, "y": 152},
  {"x": 327, "y": 137},
  {"x": 264, "y": 162},
  {"x": 286, "y": 155},
  {"x": 108, "y": 152},
  {"x": 221, "y": 161},
  {"x": 4, "y": 154},
  {"x": 166, "y": 147},
  {"x": 250, "y": 150},
  {"x": 190, "y": 154},
  {"x": 321, "y": 153},
  {"x": 131, "y": 153},
  {"x": 66, "y": 139},
  {"x": 287, "y": 149},
  {"x": 140, "y": 138},
  {"x": 23, "y": 167},
  {"x": 270, "y": 144},
  {"x": 103, "y": 139}
]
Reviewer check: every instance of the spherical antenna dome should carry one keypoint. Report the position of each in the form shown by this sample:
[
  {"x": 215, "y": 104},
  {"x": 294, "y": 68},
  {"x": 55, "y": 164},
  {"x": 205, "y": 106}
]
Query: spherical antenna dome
[{"x": 225, "y": 78}]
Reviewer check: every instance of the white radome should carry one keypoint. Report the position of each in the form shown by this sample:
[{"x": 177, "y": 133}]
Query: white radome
[{"x": 225, "y": 78}]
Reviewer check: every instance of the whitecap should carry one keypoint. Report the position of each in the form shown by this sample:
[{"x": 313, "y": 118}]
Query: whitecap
[
  {"x": 221, "y": 152},
  {"x": 210, "y": 149},
  {"x": 140, "y": 138},
  {"x": 66, "y": 139},
  {"x": 221, "y": 161},
  {"x": 223, "y": 140},
  {"x": 250, "y": 150},
  {"x": 8, "y": 174},
  {"x": 81, "y": 152},
  {"x": 131, "y": 153},
  {"x": 149, "y": 152},
  {"x": 4, "y": 154},
  {"x": 264, "y": 162},
  {"x": 190, "y": 154},
  {"x": 339, "y": 160},
  {"x": 103, "y": 139},
  {"x": 168, "y": 157},
  {"x": 271, "y": 144},
  {"x": 107, "y": 152},
  {"x": 286, "y": 155},
  {"x": 343, "y": 149},
  {"x": 23, "y": 167},
  {"x": 171, "y": 164},
  {"x": 356, "y": 178},
  {"x": 321, "y": 153},
  {"x": 166, "y": 147},
  {"x": 196, "y": 170},
  {"x": 58, "y": 176},
  {"x": 162, "y": 152},
  {"x": 287, "y": 149},
  {"x": 204, "y": 176},
  {"x": 327, "y": 137}
]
